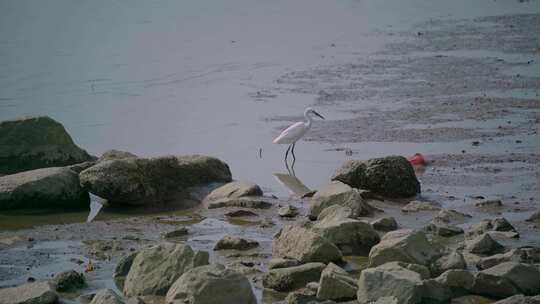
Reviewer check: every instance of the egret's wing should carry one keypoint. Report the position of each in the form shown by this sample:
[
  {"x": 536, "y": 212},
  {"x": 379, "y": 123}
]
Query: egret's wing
[{"x": 291, "y": 134}]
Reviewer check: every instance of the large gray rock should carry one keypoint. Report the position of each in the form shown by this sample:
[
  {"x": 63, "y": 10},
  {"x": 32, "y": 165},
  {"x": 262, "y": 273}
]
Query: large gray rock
[
  {"x": 528, "y": 255},
  {"x": 484, "y": 244},
  {"x": 68, "y": 281},
  {"x": 422, "y": 270},
  {"x": 392, "y": 176},
  {"x": 303, "y": 245},
  {"x": 352, "y": 237},
  {"x": 336, "y": 211},
  {"x": 453, "y": 260},
  {"x": 106, "y": 296},
  {"x": 33, "y": 293},
  {"x": 42, "y": 188},
  {"x": 147, "y": 180},
  {"x": 459, "y": 281},
  {"x": 385, "y": 224},
  {"x": 235, "y": 190},
  {"x": 405, "y": 245},
  {"x": 211, "y": 284},
  {"x": 336, "y": 284},
  {"x": 493, "y": 286},
  {"x": 525, "y": 277},
  {"x": 338, "y": 193},
  {"x": 155, "y": 269},
  {"x": 400, "y": 283},
  {"x": 37, "y": 142},
  {"x": 495, "y": 225},
  {"x": 290, "y": 278}
]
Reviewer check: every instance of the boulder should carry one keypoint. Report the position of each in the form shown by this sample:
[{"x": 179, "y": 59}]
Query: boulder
[
  {"x": 492, "y": 286},
  {"x": 155, "y": 269},
  {"x": 352, "y": 237},
  {"x": 290, "y": 278},
  {"x": 451, "y": 217},
  {"x": 338, "y": 193},
  {"x": 402, "y": 284},
  {"x": 37, "y": 142},
  {"x": 453, "y": 260},
  {"x": 385, "y": 224},
  {"x": 525, "y": 277},
  {"x": 33, "y": 293},
  {"x": 417, "y": 206},
  {"x": 234, "y": 190},
  {"x": 529, "y": 255},
  {"x": 337, "y": 211},
  {"x": 459, "y": 281},
  {"x": 495, "y": 225},
  {"x": 484, "y": 244},
  {"x": 211, "y": 284},
  {"x": 122, "y": 269},
  {"x": 42, "y": 188},
  {"x": 303, "y": 245},
  {"x": 106, "y": 296},
  {"x": 236, "y": 243},
  {"x": 520, "y": 299},
  {"x": 68, "y": 281},
  {"x": 444, "y": 230},
  {"x": 435, "y": 292},
  {"x": 405, "y": 245},
  {"x": 147, "y": 180},
  {"x": 115, "y": 154},
  {"x": 422, "y": 270},
  {"x": 391, "y": 176},
  {"x": 336, "y": 284}
]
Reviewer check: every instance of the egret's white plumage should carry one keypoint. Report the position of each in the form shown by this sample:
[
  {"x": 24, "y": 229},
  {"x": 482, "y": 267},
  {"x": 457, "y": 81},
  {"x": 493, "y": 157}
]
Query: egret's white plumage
[{"x": 296, "y": 131}]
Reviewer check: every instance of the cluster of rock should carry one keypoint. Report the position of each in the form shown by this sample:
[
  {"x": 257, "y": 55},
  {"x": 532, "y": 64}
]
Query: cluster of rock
[{"x": 46, "y": 169}]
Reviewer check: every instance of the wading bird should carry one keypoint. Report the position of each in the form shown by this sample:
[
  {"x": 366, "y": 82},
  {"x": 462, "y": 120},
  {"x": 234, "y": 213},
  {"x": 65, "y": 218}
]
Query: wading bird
[{"x": 293, "y": 133}]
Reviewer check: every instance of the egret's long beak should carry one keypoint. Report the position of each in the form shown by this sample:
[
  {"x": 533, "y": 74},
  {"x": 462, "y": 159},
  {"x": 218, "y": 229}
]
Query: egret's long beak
[{"x": 318, "y": 114}]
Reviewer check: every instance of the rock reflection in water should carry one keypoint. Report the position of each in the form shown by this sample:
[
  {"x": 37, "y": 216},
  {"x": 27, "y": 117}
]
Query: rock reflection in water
[{"x": 292, "y": 183}]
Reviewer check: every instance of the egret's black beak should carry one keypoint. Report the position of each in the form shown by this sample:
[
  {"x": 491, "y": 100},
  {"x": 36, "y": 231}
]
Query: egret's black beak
[{"x": 318, "y": 114}]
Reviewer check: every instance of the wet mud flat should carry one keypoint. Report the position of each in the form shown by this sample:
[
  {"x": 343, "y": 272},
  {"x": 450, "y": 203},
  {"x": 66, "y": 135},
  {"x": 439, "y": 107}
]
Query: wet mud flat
[{"x": 468, "y": 85}]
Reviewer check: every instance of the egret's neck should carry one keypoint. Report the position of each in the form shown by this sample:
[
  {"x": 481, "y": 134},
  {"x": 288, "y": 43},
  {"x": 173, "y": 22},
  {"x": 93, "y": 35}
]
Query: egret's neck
[{"x": 308, "y": 119}]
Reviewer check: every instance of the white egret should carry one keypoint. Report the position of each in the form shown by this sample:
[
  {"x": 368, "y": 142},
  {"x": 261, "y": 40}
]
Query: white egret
[{"x": 296, "y": 131}]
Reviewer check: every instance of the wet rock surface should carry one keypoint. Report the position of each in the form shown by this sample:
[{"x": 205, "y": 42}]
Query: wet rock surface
[{"x": 22, "y": 148}]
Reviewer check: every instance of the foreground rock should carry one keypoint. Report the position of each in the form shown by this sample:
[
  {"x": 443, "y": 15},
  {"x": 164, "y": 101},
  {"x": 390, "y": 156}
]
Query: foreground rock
[
  {"x": 496, "y": 225},
  {"x": 405, "y": 245},
  {"x": 106, "y": 296},
  {"x": 42, "y": 188},
  {"x": 303, "y": 245},
  {"x": 290, "y": 278},
  {"x": 34, "y": 293},
  {"x": 392, "y": 176},
  {"x": 451, "y": 217},
  {"x": 211, "y": 284},
  {"x": 236, "y": 243},
  {"x": 401, "y": 284},
  {"x": 484, "y": 244},
  {"x": 352, "y": 237},
  {"x": 68, "y": 281},
  {"x": 525, "y": 277},
  {"x": 122, "y": 269},
  {"x": 529, "y": 255},
  {"x": 338, "y": 193},
  {"x": 149, "y": 180},
  {"x": 453, "y": 260},
  {"x": 37, "y": 142},
  {"x": 336, "y": 284},
  {"x": 385, "y": 224},
  {"x": 155, "y": 269}
]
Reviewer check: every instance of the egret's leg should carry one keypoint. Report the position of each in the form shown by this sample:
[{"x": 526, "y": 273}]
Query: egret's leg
[
  {"x": 293, "y": 156},
  {"x": 287, "y": 153}
]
